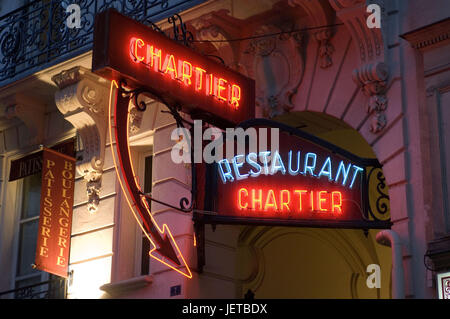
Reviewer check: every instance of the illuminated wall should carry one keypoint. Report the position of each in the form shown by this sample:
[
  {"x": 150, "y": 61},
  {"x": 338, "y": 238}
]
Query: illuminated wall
[{"x": 92, "y": 238}]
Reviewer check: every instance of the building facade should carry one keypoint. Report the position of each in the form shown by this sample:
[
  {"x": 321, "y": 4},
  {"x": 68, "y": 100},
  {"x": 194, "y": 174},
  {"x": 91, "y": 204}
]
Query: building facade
[{"x": 320, "y": 66}]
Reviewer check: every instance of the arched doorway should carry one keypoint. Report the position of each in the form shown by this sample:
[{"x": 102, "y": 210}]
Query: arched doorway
[
  {"x": 284, "y": 262},
  {"x": 293, "y": 262}
]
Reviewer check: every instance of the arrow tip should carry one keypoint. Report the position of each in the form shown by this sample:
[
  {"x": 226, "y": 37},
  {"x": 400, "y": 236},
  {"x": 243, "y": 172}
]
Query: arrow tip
[
  {"x": 169, "y": 254},
  {"x": 166, "y": 249}
]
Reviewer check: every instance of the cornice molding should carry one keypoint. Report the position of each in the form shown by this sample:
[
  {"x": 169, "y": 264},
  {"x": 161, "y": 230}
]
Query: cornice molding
[
  {"x": 430, "y": 36},
  {"x": 321, "y": 14}
]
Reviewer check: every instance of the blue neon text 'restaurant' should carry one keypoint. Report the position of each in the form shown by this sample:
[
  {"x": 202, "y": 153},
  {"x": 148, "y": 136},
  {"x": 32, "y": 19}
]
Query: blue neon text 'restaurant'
[{"x": 264, "y": 163}]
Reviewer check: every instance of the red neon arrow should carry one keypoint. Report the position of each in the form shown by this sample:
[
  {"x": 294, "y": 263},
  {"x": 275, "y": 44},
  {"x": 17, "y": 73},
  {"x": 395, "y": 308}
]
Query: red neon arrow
[{"x": 165, "y": 249}]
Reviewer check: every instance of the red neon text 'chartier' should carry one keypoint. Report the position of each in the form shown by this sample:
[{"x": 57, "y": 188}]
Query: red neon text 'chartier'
[
  {"x": 295, "y": 200},
  {"x": 193, "y": 76}
]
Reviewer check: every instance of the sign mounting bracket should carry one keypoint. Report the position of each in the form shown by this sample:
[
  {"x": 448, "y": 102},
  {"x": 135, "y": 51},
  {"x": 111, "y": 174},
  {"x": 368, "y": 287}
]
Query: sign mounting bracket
[{"x": 142, "y": 107}]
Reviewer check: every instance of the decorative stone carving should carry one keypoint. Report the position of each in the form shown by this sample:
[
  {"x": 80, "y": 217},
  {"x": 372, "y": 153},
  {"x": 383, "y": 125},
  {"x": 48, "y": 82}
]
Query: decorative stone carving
[
  {"x": 218, "y": 27},
  {"x": 264, "y": 45},
  {"x": 321, "y": 14},
  {"x": 369, "y": 42},
  {"x": 372, "y": 73},
  {"x": 277, "y": 62},
  {"x": 93, "y": 185},
  {"x": 208, "y": 31},
  {"x": 372, "y": 79},
  {"x": 135, "y": 119},
  {"x": 326, "y": 49},
  {"x": 83, "y": 100},
  {"x": 31, "y": 111}
]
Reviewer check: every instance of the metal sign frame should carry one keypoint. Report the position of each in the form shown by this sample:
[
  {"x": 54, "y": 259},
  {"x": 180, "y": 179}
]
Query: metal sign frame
[{"x": 371, "y": 172}]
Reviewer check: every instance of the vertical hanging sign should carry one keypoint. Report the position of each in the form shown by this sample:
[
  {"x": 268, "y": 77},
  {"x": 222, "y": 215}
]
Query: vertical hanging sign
[{"x": 55, "y": 220}]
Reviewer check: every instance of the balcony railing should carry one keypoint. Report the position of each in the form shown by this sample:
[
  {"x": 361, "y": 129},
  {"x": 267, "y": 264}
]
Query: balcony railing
[
  {"x": 37, "y": 35},
  {"x": 51, "y": 289}
]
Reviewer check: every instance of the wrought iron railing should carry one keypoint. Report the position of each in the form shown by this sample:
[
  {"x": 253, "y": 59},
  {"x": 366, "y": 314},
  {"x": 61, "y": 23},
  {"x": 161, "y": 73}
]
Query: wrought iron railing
[
  {"x": 51, "y": 289},
  {"x": 37, "y": 36}
]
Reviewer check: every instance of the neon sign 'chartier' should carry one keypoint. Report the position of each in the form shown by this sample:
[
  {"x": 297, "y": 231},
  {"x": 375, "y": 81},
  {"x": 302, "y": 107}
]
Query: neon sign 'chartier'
[
  {"x": 130, "y": 52},
  {"x": 295, "y": 200},
  {"x": 193, "y": 76},
  {"x": 293, "y": 164}
]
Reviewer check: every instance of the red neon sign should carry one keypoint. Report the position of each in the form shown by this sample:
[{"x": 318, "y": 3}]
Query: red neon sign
[
  {"x": 296, "y": 201},
  {"x": 164, "y": 247},
  {"x": 183, "y": 71},
  {"x": 125, "y": 49},
  {"x": 288, "y": 197}
]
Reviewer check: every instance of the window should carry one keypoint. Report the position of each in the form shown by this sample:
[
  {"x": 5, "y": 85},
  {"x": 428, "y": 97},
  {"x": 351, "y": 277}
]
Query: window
[
  {"x": 30, "y": 195},
  {"x": 145, "y": 246},
  {"x": 39, "y": 284}
]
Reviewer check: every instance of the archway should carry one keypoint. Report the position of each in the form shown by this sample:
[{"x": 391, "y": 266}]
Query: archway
[{"x": 288, "y": 262}]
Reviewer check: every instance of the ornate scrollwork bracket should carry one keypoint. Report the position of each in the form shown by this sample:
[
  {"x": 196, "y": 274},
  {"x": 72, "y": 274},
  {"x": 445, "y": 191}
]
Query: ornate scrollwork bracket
[
  {"x": 378, "y": 195},
  {"x": 180, "y": 33}
]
